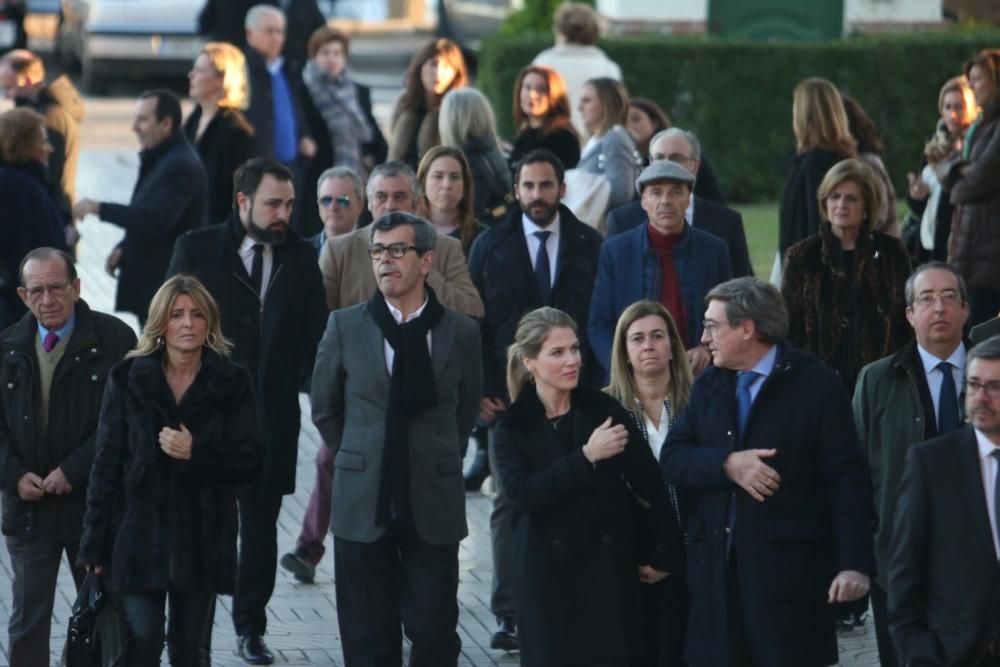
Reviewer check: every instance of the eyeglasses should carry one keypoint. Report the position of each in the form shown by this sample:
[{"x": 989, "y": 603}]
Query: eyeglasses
[
  {"x": 991, "y": 388},
  {"x": 55, "y": 289},
  {"x": 395, "y": 250},
  {"x": 710, "y": 327},
  {"x": 946, "y": 298},
  {"x": 342, "y": 202}
]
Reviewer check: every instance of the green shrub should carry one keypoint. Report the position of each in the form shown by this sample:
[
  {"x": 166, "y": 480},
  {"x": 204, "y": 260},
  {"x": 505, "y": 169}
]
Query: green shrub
[
  {"x": 737, "y": 96},
  {"x": 535, "y": 16}
]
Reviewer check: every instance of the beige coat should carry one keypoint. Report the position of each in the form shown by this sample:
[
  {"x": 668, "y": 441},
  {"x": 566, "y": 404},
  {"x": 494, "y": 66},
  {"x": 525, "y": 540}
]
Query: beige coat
[{"x": 349, "y": 279}]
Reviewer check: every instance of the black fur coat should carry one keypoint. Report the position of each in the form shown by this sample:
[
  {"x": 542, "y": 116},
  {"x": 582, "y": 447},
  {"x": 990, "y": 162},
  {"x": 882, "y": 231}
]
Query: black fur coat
[{"x": 155, "y": 522}]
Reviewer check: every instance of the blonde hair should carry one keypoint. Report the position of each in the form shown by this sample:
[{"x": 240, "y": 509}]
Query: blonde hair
[
  {"x": 819, "y": 119},
  {"x": 577, "y": 22},
  {"x": 229, "y": 62},
  {"x": 859, "y": 173},
  {"x": 614, "y": 101},
  {"x": 622, "y": 384},
  {"x": 465, "y": 115},
  {"x": 19, "y": 134},
  {"x": 151, "y": 338},
  {"x": 532, "y": 332},
  {"x": 959, "y": 84}
]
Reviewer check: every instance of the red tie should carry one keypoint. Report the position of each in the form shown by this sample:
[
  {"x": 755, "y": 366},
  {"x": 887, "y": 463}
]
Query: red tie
[{"x": 51, "y": 339}]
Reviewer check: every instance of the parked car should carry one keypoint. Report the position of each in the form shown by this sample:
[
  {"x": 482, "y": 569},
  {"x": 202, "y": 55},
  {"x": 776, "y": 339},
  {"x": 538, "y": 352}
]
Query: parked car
[{"x": 128, "y": 38}]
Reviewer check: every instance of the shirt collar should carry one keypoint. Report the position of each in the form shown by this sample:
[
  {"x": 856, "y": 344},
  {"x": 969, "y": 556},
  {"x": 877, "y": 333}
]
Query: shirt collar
[
  {"x": 274, "y": 68},
  {"x": 248, "y": 243},
  {"x": 63, "y": 333},
  {"x": 530, "y": 227},
  {"x": 930, "y": 362},
  {"x": 398, "y": 314},
  {"x": 689, "y": 211},
  {"x": 986, "y": 448},
  {"x": 765, "y": 364}
]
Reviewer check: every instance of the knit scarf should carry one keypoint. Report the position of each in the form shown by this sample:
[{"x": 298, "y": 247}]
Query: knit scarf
[
  {"x": 411, "y": 390},
  {"x": 338, "y": 105},
  {"x": 670, "y": 285}
]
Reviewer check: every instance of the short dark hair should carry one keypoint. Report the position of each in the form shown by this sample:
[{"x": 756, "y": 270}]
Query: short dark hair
[
  {"x": 46, "y": 252},
  {"x": 909, "y": 291},
  {"x": 167, "y": 106},
  {"x": 755, "y": 300},
  {"x": 988, "y": 349},
  {"x": 540, "y": 155},
  {"x": 424, "y": 234},
  {"x": 247, "y": 177}
]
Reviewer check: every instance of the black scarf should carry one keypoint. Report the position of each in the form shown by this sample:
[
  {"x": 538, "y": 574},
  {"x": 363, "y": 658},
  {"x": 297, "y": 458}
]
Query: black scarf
[{"x": 411, "y": 390}]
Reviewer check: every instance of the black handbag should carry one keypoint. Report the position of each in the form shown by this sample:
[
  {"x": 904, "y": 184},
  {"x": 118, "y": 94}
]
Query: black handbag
[{"x": 82, "y": 640}]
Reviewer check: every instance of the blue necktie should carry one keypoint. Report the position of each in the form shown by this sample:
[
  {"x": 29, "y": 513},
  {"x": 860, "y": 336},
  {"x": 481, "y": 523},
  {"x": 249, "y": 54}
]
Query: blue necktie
[
  {"x": 947, "y": 417},
  {"x": 543, "y": 273},
  {"x": 743, "y": 401}
]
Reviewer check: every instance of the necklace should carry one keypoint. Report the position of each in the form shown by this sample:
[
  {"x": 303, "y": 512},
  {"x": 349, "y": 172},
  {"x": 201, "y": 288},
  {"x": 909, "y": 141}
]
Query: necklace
[{"x": 554, "y": 421}]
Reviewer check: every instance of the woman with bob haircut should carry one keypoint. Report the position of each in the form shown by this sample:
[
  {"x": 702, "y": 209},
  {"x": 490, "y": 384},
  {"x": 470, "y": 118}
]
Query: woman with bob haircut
[
  {"x": 651, "y": 378},
  {"x": 434, "y": 70},
  {"x": 446, "y": 194},
  {"x": 975, "y": 190},
  {"x": 466, "y": 122},
  {"x": 571, "y": 461},
  {"x": 843, "y": 286},
  {"x": 542, "y": 115},
  {"x": 216, "y": 126},
  {"x": 177, "y": 437},
  {"x": 610, "y": 150},
  {"x": 823, "y": 138},
  {"x": 338, "y": 111}
]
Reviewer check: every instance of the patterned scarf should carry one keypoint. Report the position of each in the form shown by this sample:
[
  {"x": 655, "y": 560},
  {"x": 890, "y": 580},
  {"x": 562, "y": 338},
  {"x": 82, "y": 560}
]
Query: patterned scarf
[{"x": 337, "y": 103}]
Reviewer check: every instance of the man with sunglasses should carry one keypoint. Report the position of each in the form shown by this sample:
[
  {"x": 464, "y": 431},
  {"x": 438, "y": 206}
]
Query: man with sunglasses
[
  {"x": 395, "y": 394},
  {"x": 341, "y": 200},
  {"x": 944, "y": 590}
]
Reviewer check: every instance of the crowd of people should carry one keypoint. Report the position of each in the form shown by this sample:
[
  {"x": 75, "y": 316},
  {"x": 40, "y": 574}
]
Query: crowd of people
[{"x": 691, "y": 465}]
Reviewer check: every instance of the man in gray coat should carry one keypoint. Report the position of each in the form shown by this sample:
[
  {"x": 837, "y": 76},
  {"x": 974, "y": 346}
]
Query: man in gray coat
[{"x": 395, "y": 392}]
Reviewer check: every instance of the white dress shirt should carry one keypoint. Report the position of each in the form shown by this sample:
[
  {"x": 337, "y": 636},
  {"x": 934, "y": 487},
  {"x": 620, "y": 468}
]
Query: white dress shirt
[
  {"x": 390, "y": 354},
  {"x": 657, "y": 436},
  {"x": 689, "y": 211},
  {"x": 934, "y": 376},
  {"x": 246, "y": 254},
  {"x": 988, "y": 467},
  {"x": 551, "y": 243}
]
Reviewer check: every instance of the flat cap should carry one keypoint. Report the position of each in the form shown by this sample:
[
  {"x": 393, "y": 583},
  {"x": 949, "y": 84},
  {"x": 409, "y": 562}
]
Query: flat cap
[{"x": 663, "y": 170}]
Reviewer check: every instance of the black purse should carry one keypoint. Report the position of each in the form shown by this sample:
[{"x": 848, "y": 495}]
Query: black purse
[{"x": 83, "y": 646}]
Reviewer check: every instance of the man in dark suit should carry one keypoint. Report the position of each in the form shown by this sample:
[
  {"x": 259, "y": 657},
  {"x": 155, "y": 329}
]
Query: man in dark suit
[
  {"x": 224, "y": 21},
  {"x": 270, "y": 296},
  {"x": 395, "y": 394},
  {"x": 682, "y": 147},
  {"x": 944, "y": 591},
  {"x": 907, "y": 398},
  {"x": 541, "y": 255},
  {"x": 168, "y": 200},
  {"x": 779, "y": 529}
]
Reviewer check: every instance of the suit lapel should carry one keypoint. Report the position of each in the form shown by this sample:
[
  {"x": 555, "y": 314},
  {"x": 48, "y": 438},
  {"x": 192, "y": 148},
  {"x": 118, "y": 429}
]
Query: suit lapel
[
  {"x": 442, "y": 337},
  {"x": 970, "y": 474},
  {"x": 373, "y": 347}
]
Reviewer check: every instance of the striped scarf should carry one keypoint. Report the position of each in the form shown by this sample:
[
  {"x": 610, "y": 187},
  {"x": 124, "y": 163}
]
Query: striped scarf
[{"x": 336, "y": 102}]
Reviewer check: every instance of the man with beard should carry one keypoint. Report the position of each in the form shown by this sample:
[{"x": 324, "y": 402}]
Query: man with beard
[
  {"x": 665, "y": 260},
  {"x": 540, "y": 255},
  {"x": 270, "y": 297}
]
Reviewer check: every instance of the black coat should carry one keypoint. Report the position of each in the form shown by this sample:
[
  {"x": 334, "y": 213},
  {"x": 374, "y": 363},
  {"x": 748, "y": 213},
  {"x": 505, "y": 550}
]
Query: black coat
[
  {"x": 798, "y": 210},
  {"x": 30, "y": 220},
  {"x": 326, "y": 157},
  {"x": 156, "y": 522},
  {"x": 223, "y": 20},
  {"x": 491, "y": 182},
  {"x": 277, "y": 341},
  {"x": 501, "y": 269},
  {"x": 97, "y": 343},
  {"x": 575, "y": 556},
  {"x": 225, "y": 144},
  {"x": 790, "y": 547},
  {"x": 260, "y": 113},
  {"x": 169, "y": 199},
  {"x": 716, "y": 219}
]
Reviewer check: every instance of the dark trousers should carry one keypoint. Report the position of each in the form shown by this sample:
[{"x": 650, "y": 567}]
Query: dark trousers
[
  {"x": 502, "y": 542},
  {"x": 880, "y": 612},
  {"x": 736, "y": 631},
  {"x": 316, "y": 521},
  {"x": 397, "y": 580},
  {"x": 259, "y": 508},
  {"x": 190, "y": 623},
  {"x": 664, "y": 609},
  {"x": 34, "y": 566}
]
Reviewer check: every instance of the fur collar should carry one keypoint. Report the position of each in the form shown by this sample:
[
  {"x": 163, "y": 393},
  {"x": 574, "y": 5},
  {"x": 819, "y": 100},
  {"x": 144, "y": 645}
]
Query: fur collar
[
  {"x": 144, "y": 376},
  {"x": 527, "y": 411}
]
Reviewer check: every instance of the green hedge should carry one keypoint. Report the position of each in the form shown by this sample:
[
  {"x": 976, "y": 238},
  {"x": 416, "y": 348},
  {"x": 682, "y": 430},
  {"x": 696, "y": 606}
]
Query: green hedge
[{"x": 737, "y": 96}]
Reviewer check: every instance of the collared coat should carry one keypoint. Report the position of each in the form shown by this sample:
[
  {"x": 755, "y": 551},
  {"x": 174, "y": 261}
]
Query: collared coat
[
  {"x": 276, "y": 340},
  {"x": 790, "y": 547},
  {"x": 98, "y": 341},
  {"x": 502, "y": 272},
  {"x": 169, "y": 199},
  {"x": 155, "y": 522}
]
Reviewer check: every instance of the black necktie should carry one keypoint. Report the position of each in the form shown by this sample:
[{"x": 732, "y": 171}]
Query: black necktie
[
  {"x": 257, "y": 267},
  {"x": 947, "y": 417},
  {"x": 543, "y": 274}
]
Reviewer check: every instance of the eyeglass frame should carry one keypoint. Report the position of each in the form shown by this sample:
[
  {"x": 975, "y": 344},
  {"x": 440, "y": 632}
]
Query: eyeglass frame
[
  {"x": 396, "y": 250},
  {"x": 37, "y": 292},
  {"x": 326, "y": 201},
  {"x": 928, "y": 299},
  {"x": 990, "y": 388}
]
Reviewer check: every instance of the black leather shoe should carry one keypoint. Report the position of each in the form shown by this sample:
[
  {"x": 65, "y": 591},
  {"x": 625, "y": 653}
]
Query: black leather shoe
[
  {"x": 254, "y": 651},
  {"x": 505, "y": 638},
  {"x": 300, "y": 567}
]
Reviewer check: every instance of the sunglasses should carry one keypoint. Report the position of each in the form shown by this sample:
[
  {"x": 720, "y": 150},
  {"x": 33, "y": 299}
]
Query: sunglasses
[{"x": 342, "y": 202}]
